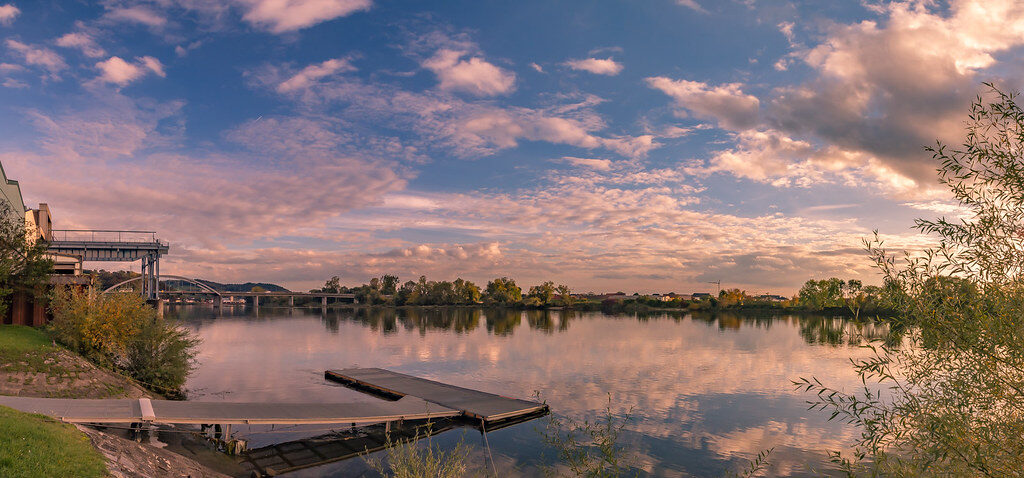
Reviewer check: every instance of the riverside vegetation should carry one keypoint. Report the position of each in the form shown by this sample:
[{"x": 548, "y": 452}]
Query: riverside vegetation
[
  {"x": 122, "y": 332},
  {"x": 947, "y": 399}
]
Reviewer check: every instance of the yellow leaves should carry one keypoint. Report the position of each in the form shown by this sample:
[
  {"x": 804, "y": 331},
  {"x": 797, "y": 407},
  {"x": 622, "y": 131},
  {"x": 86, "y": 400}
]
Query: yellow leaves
[{"x": 95, "y": 323}]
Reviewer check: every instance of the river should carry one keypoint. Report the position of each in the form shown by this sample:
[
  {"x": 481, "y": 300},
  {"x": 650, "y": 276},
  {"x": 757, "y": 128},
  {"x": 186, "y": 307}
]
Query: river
[{"x": 703, "y": 393}]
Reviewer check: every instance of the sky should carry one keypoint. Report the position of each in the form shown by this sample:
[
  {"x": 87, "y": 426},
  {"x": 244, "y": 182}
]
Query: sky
[{"x": 636, "y": 146}]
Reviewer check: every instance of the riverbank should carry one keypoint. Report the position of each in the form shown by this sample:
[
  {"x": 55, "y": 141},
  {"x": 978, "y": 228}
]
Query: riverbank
[{"x": 32, "y": 365}]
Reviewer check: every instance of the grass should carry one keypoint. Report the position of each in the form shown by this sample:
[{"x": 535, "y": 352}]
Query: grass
[
  {"x": 35, "y": 445},
  {"x": 21, "y": 339},
  {"x": 26, "y": 349},
  {"x": 29, "y": 358}
]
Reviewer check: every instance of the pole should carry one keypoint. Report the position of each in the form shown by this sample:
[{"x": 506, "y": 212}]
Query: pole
[{"x": 156, "y": 287}]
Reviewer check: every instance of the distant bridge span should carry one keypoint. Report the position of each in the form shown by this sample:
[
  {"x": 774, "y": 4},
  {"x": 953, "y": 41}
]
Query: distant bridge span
[
  {"x": 205, "y": 288},
  {"x": 219, "y": 295}
]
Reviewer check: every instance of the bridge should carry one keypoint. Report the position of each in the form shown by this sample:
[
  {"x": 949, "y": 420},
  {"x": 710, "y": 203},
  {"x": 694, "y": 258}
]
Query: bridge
[
  {"x": 114, "y": 246},
  {"x": 130, "y": 246},
  {"x": 219, "y": 295}
]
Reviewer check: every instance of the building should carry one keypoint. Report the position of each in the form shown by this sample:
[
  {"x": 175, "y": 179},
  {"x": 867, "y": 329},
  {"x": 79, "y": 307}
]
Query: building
[
  {"x": 11, "y": 194},
  {"x": 26, "y": 307},
  {"x": 38, "y": 223}
]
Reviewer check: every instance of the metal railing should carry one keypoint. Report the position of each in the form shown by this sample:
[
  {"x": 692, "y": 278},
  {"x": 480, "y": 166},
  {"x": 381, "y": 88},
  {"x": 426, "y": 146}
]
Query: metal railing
[{"x": 103, "y": 235}]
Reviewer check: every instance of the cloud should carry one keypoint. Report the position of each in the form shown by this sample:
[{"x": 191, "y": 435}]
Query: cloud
[
  {"x": 310, "y": 74},
  {"x": 8, "y": 13},
  {"x": 115, "y": 128},
  {"x": 597, "y": 66},
  {"x": 137, "y": 14},
  {"x": 440, "y": 119},
  {"x": 726, "y": 103},
  {"x": 182, "y": 50},
  {"x": 119, "y": 72},
  {"x": 81, "y": 41},
  {"x": 218, "y": 198},
  {"x": 597, "y": 164},
  {"x": 281, "y": 16},
  {"x": 38, "y": 56},
  {"x": 474, "y": 75},
  {"x": 692, "y": 5},
  {"x": 537, "y": 68}
]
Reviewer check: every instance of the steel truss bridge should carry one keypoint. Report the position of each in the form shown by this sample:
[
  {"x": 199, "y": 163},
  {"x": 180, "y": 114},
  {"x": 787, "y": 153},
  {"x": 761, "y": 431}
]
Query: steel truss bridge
[
  {"x": 131, "y": 246},
  {"x": 114, "y": 246}
]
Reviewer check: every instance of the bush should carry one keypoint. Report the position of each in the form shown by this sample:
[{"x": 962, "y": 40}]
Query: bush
[
  {"x": 415, "y": 459},
  {"x": 122, "y": 332},
  {"x": 161, "y": 355}
]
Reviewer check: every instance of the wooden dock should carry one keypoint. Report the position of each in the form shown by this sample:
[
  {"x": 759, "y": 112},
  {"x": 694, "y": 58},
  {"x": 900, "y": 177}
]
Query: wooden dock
[
  {"x": 474, "y": 404},
  {"x": 227, "y": 413}
]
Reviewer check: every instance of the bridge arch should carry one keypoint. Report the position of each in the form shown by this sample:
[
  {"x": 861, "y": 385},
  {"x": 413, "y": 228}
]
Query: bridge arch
[{"x": 202, "y": 286}]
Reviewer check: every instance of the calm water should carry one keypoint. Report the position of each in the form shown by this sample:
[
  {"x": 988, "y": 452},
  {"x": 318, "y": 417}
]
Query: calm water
[{"x": 704, "y": 393}]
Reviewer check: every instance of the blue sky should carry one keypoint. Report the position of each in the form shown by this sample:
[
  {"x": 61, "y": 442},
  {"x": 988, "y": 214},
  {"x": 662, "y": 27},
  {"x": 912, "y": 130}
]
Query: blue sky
[{"x": 639, "y": 146}]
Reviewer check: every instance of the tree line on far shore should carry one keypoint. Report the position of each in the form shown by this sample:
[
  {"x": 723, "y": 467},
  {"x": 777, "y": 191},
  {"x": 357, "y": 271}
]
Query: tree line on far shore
[
  {"x": 848, "y": 297},
  {"x": 502, "y": 291}
]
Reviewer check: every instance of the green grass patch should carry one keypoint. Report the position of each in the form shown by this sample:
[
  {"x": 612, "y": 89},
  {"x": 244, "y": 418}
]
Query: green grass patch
[
  {"x": 35, "y": 445},
  {"x": 21, "y": 339}
]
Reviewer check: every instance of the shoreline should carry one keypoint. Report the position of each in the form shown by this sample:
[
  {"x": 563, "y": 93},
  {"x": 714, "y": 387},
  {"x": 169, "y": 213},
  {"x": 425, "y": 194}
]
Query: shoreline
[{"x": 33, "y": 365}]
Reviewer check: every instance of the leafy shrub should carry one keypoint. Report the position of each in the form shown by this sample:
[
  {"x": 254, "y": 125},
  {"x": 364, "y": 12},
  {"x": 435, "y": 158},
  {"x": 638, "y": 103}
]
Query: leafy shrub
[
  {"x": 122, "y": 332},
  {"x": 161, "y": 355}
]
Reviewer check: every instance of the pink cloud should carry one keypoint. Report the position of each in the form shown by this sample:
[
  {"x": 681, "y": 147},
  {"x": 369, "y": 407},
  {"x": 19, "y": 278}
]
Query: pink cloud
[
  {"x": 310, "y": 74},
  {"x": 83, "y": 42},
  {"x": 281, "y": 16},
  {"x": 8, "y": 13},
  {"x": 597, "y": 66},
  {"x": 38, "y": 56},
  {"x": 726, "y": 103},
  {"x": 473, "y": 75},
  {"x": 137, "y": 14},
  {"x": 119, "y": 72}
]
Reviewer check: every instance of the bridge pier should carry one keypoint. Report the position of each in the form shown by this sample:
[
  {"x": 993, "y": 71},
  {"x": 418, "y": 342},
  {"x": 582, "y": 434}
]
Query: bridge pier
[
  {"x": 256, "y": 301},
  {"x": 217, "y": 301},
  {"x": 291, "y": 301},
  {"x": 323, "y": 301}
]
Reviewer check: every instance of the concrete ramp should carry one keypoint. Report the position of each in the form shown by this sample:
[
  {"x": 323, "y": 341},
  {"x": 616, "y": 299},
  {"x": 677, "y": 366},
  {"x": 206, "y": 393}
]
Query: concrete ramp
[{"x": 473, "y": 403}]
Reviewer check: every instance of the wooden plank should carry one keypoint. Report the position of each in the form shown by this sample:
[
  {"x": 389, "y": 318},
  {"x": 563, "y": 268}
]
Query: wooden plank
[{"x": 473, "y": 403}]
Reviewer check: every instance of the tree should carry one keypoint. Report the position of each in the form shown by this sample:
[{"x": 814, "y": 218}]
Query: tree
[
  {"x": 466, "y": 291},
  {"x": 820, "y": 294},
  {"x": 731, "y": 297},
  {"x": 565, "y": 295},
  {"x": 24, "y": 266},
  {"x": 544, "y": 293},
  {"x": 503, "y": 291},
  {"x": 388, "y": 284},
  {"x": 333, "y": 285},
  {"x": 950, "y": 398}
]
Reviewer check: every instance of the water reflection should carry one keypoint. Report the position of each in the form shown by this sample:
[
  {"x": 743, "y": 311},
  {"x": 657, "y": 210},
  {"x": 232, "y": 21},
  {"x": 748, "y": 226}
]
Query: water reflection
[{"x": 707, "y": 391}]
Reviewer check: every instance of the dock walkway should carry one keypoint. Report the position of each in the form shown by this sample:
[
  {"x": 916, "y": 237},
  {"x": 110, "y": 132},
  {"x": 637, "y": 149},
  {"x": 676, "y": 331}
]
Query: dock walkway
[
  {"x": 474, "y": 404},
  {"x": 227, "y": 413}
]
